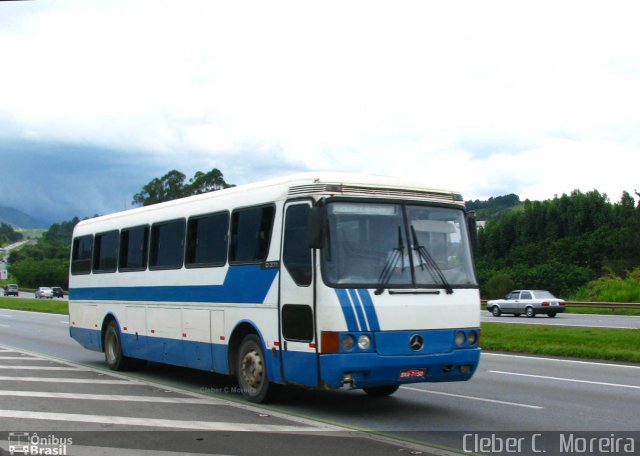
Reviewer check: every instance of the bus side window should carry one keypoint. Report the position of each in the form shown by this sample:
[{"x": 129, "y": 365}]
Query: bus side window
[
  {"x": 134, "y": 243},
  {"x": 81, "y": 255},
  {"x": 250, "y": 234},
  {"x": 167, "y": 245},
  {"x": 105, "y": 252},
  {"x": 207, "y": 240}
]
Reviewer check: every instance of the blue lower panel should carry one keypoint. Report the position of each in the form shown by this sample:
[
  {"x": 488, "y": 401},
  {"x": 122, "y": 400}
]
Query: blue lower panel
[
  {"x": 197, "y": 355},
  {"x": 300, "y": 368},
  {"x": 371, "y": 369},
  {"x": 88, "y": 338}
]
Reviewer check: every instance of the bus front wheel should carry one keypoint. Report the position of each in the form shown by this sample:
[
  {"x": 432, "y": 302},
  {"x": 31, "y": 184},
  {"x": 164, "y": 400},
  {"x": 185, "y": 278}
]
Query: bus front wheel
[
  {"x": 380, "y": 391},
  {"x": 252, "y": 371}
]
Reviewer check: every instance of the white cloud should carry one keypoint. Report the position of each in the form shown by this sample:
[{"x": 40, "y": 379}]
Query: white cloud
[{"x": 489, "y": 97}]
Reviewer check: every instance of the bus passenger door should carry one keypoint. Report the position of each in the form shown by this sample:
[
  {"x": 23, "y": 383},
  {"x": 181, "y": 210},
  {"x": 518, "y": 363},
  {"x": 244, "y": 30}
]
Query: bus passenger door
[{"x": 297, "y": 320}]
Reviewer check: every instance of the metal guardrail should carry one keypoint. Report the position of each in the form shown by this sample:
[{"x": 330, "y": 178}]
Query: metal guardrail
[
  {"x": 609, "y": 305},
  {"x": 606, "y": 305}
]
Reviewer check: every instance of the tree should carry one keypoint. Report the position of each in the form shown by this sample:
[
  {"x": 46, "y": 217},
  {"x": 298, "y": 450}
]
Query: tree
[
  {"x": 172, "y": 186},
  {"x": 560, "y": 244},
  {"x": 8, "y": 235}
]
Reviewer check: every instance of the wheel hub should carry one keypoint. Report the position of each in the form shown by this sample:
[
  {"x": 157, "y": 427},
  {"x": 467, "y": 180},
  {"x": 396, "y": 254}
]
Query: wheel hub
[{"x": 252, "y": 369}]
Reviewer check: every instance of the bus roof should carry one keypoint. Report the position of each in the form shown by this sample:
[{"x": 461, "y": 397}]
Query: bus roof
[{"x": 305, "y": 184}]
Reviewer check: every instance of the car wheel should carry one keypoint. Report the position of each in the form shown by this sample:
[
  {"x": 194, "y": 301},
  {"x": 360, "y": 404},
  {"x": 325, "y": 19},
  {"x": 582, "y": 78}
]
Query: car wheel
[
  {"x": 551, "y": 314},
  {"x": 496, "y": 311},
  {"x": 530, "y": 313}
]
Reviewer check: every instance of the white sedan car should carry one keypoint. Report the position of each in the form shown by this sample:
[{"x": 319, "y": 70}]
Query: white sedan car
[
  {"x": 528, "y": 302},
  {"x": 44, "y": 292}
]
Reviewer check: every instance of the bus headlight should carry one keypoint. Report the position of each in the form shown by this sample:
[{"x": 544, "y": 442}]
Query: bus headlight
[
  {"x": 364, "y": 342},
  {"x": 460, "y": 338},
  {"x": 348, "y": 342},
  {"x": 473, "y": 337}
]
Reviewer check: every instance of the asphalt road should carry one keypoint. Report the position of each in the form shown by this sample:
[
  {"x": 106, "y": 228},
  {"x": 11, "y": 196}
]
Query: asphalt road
[
  {"x": 516, "y": 394},
  {"x": 569, "y": 319}
]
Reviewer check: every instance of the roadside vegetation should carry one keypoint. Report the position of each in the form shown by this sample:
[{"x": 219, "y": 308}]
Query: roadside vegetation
[
  {"x": 570, "y": 245},
  {"x": 45, "y": 263},
  {"x": 589, "y": 343},
  {"x": 8, "y": 235},
  {"x": 35, "y": 305}
]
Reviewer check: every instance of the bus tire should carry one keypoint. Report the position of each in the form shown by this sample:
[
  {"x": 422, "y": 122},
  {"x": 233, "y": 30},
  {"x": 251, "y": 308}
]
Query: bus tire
[
  {"x": 113, "y": 355},
  {"x": 381, "y": 391},
  {"x": 252, "y": 371}
]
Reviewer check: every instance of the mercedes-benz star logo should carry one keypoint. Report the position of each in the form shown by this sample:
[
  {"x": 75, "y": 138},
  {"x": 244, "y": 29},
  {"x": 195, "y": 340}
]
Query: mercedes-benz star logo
[{"x": 416, "y": 342}]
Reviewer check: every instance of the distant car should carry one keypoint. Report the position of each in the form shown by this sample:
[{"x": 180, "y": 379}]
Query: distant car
[
  {"x": 57, "y": 292},
  {"x": 11, "y": 290},
  {"x": 44, "y": 292},
  {"x": 527, "y": 302}
]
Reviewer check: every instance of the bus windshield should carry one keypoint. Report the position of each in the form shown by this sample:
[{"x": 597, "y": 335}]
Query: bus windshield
[{"x": 396, "y": 245}]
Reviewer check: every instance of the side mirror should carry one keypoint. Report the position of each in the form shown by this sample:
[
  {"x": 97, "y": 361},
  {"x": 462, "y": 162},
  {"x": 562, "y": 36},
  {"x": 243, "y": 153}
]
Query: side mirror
[{"x": 317, "y": 224}]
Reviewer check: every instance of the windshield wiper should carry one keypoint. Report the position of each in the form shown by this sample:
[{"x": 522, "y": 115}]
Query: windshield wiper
[
  {"x": 397, "y": 254},
  {"x": 432, "y": 266}
]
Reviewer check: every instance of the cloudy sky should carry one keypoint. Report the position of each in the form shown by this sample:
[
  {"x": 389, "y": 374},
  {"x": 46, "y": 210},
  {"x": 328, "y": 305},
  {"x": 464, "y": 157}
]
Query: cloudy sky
[{"x": 488, "y": 97}]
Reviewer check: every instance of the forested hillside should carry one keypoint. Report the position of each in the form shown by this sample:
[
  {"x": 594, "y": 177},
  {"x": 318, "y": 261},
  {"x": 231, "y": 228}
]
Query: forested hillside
[
  {"x": 8, "y": 235},
  {"x": 47, "y": 262},
  {"x": 493, "y": 207},
  {"x": 559, "y": 244}
]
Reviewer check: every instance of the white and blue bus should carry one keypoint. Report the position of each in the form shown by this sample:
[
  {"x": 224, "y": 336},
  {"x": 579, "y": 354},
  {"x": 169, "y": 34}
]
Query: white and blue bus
[{"x": 322, "y": 280}]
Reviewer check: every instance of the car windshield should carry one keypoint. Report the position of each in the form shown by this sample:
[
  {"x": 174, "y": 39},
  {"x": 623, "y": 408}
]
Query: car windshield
[{"x": 402, "y": 245}]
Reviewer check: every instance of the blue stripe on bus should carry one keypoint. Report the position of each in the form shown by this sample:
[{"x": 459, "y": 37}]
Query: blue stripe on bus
[
  {"x": 359, "y": 310},
  {"x": 369, "y": 309},
  {"x": 243, "y": 285},
  {"x": 347, "y": 309}
]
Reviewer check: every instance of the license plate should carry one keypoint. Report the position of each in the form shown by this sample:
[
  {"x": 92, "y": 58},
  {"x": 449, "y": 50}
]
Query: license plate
[{"x": 406, "y": 374}]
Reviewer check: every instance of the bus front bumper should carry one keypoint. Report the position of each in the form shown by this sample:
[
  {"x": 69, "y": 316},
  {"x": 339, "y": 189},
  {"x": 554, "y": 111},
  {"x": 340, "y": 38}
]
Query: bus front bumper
[{"x": 366, "y": 370}]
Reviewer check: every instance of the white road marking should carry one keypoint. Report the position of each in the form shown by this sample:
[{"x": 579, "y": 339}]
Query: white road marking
[
  {"x": 112, "y": 397},
  {"x": 573, "y": 380},
  {"x": 155, "y": 422},
  {"x": 481, "y": 399},
  {"x": 560, "y": 360},
  {"x": 70, "y": 380},
  {"x": 30, "y": 358},
  {"x": 45, "y": 368}
]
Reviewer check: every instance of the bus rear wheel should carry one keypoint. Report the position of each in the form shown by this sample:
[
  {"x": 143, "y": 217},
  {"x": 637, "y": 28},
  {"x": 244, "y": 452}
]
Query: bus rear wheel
[
  {"x": 380, "y": 391},
  {"x": 252, "y": 371},
  {"x": 113, "y": 350}
]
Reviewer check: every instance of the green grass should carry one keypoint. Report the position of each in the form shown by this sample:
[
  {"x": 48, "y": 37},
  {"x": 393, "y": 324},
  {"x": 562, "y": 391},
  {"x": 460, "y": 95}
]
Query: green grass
[
  {"x": 35, "y": 305},
  {"x": 590, "y": 343}
]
